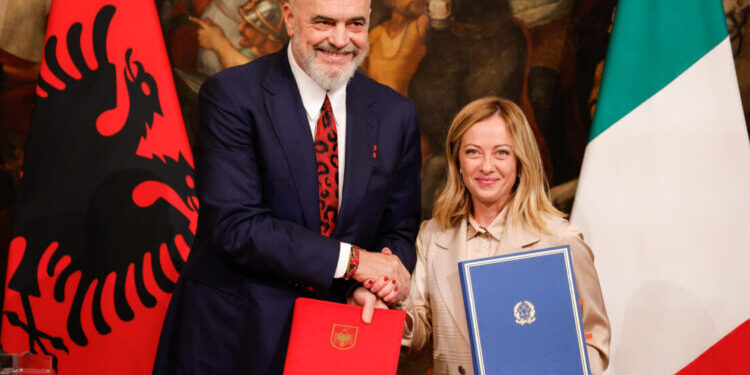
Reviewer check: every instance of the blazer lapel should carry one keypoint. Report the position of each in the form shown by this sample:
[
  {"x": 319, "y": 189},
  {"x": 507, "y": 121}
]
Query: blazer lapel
[
  {"x": 445, "y": 268},
  {"x": 360, "y": 138},
  {"x": 453, "y": 250},
  {"x": 287, "y": 114}
]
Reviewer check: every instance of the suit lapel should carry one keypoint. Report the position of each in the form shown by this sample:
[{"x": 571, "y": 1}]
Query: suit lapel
[
  {"x": 453, "y": 249},
  {"x": 287, "y": 114},
  {"x": 360, "y": 138}
]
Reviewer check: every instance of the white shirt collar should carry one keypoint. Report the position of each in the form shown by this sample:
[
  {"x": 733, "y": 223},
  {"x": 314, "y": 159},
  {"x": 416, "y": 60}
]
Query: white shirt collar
[{"x": 313, "y": 95}]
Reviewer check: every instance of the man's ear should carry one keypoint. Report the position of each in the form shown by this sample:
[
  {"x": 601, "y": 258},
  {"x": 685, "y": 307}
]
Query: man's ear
[{"x": 288, "y": 19}]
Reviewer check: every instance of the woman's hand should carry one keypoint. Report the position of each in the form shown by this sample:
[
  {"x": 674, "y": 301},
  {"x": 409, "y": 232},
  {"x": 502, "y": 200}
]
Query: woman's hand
[
  {"x": 376, "y": 267},
  {"x": 368, "y": 300},
  {"x": 386, "y": 288}
]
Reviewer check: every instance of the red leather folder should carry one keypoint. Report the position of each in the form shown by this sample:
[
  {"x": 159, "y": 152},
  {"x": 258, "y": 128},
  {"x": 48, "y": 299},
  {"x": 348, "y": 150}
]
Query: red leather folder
[{"x": 330, "y": 338}]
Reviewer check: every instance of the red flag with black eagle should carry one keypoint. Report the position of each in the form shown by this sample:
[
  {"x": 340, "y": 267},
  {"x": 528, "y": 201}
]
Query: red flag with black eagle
[{"x": 106, "y": 208}]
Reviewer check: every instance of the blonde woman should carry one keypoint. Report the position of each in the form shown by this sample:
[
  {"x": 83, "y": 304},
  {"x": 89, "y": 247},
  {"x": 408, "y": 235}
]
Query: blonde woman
[{"x": 495, "y": 202}]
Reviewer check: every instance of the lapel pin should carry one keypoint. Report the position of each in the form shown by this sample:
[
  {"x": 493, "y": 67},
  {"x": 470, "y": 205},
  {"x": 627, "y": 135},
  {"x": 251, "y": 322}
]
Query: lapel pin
[{"x": 374, "y": 151}]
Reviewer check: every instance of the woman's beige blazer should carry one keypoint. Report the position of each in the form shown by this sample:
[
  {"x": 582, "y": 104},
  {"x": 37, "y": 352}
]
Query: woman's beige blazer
[{"x": 435, "y": 302}]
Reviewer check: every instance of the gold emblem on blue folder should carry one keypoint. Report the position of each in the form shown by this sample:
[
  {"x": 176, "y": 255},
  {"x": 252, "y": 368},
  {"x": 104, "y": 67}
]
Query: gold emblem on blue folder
[{"x": 524, "y": 313}]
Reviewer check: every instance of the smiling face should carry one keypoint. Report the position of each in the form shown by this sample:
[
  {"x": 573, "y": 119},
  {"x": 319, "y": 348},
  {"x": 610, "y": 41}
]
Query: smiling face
[
  {"x": 488, "y": 162},
  {"x": 328, "y": 37}
]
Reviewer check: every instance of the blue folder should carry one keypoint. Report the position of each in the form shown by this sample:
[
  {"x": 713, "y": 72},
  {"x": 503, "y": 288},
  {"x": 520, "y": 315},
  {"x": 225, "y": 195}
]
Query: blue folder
[{"x": 523, "y": 315}]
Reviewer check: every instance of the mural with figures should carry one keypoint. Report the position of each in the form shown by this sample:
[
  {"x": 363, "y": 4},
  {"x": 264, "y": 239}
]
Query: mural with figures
[{"x": 543, "y": 54}]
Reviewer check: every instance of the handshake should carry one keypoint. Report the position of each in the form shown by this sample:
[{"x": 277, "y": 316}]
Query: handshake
[{"x": 384, "y": 280}]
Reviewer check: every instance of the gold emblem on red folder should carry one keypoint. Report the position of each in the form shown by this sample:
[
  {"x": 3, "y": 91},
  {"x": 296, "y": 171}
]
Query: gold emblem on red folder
[
  {"x": 524, "y": 313},
  {"x": 343, "y": 337}
]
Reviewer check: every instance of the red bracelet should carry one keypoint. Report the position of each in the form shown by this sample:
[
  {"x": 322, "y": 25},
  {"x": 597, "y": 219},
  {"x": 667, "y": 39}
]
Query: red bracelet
[{"x": 353, "y": 263}]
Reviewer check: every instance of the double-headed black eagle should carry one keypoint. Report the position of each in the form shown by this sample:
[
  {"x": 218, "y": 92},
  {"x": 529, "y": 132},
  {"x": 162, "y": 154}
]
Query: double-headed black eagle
[{"x": 90, "y": 199}]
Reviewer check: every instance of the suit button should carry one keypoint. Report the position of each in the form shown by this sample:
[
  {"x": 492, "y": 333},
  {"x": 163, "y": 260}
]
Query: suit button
[{"x": 461, "y": 370}]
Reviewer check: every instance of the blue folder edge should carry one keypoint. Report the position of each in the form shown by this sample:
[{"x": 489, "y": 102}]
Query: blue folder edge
[{"x": 464, "y": 269}]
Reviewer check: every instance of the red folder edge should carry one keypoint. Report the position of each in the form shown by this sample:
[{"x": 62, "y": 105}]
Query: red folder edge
[{"x": 330, "y": 338}]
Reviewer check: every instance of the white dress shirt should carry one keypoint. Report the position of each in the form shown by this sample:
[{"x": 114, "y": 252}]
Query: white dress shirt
[{"x": 313, "y": 97}]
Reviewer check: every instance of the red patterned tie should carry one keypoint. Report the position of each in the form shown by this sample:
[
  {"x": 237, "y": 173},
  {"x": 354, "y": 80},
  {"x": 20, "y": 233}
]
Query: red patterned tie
[{"x": 327, "y": 160}]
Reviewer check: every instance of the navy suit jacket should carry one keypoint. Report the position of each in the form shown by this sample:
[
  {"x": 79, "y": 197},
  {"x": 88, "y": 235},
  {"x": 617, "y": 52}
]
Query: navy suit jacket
[{"x": 258, "y": 245}]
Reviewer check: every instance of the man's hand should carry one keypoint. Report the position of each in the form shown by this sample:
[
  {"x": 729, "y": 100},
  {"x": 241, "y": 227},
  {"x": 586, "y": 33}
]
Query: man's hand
[
  {"x": 383, "y": 274},
  {"x": 368, "y": 301}
]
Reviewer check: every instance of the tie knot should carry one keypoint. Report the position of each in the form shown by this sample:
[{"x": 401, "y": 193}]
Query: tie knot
[{"x": 326, "y": 105}]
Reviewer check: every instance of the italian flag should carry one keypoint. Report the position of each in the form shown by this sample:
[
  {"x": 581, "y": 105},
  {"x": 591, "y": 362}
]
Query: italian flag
[{"x": 664, "y": 193}]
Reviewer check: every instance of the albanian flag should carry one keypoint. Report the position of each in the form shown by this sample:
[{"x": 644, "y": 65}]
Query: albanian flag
[{"x": 106, "y": 208}]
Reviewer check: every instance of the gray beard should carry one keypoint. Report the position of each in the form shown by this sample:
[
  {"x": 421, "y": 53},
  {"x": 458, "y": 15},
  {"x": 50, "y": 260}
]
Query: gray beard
[{"x": 325, "y": 80}]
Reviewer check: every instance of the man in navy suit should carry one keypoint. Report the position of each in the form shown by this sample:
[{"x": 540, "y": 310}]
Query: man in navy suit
[{"x": 302, "y": 166}]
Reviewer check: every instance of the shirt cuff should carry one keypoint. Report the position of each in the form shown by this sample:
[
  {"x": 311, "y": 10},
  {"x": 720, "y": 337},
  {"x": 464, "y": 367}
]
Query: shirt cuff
[
  {"x": 344, "y": 251},
  {"x": 408, "y": 335}
]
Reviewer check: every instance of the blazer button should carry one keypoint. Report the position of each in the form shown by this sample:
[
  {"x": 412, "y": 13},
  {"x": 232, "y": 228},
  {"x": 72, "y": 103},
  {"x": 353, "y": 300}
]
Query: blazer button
[{"x": 461, "y": 370}]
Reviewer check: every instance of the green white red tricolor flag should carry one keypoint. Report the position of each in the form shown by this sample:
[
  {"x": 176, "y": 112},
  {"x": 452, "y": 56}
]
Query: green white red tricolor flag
[{"x": 664, "y": 193}]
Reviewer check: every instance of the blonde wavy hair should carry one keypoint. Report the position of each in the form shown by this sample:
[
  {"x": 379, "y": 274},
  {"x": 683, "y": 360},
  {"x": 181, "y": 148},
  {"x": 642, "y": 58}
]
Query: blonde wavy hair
[{"x": 529, "y": 199}]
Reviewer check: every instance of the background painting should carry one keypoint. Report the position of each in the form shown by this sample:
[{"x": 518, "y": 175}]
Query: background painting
[
  {"x": 547, "y": 55},
  {"x": 543, "y": 54}
]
